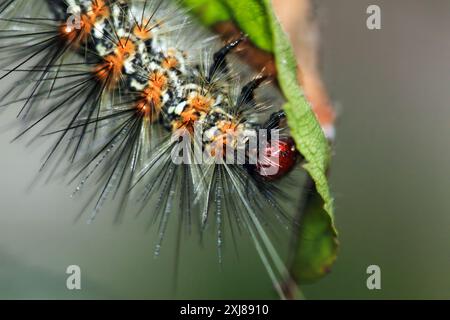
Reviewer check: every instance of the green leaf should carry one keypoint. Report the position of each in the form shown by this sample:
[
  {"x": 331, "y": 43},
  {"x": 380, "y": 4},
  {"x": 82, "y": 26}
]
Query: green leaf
[
  {"x": 317, "y": 246},
  {"x": 251, "y": 18},
  {"x": 208, "y": 11},
  {"x": 248, "y": 14},
  {"x": 317, "y": 243}
]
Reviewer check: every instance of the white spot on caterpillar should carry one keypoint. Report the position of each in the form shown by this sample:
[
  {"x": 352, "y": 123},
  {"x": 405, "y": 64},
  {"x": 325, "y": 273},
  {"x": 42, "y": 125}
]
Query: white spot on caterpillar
[
  {"x": 218, "y": 100},
  {"x": 137, "y": 85},
  {"x": 129, "y": 66},
  {"x": 211, "y": 133},
  {"x": 180, "y": 107},
  {"x": 101, "y": 49},
  {"x": 166, "y": 98},
  {"x": 99, "y": 30}
]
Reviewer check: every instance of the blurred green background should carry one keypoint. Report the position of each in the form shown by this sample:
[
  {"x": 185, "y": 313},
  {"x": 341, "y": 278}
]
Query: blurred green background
[
  {"x": 390, "y": 178},
  {"x": 391, "y": 167}
]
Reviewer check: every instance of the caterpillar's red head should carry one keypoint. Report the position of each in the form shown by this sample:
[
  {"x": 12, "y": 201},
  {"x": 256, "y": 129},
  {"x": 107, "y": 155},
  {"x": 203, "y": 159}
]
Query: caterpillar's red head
[{"x": 286, "y": 155}]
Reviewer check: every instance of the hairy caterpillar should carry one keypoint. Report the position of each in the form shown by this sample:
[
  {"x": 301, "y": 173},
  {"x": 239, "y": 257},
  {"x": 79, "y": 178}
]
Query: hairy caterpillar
[{"x": 131, "y": 105}]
